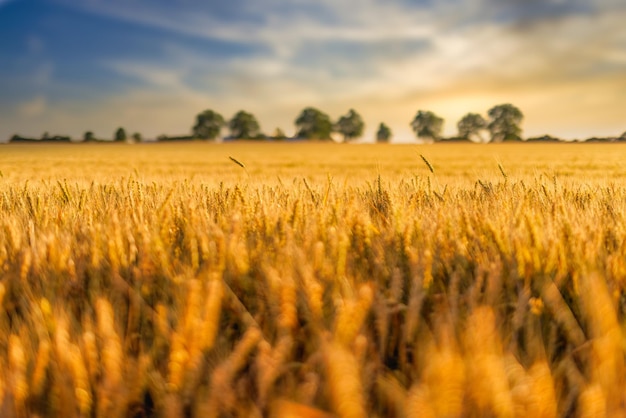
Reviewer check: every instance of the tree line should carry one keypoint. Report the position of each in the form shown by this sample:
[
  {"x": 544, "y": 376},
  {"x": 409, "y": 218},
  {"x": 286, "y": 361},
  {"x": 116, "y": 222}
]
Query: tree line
[{"x": 501, "y": 124}]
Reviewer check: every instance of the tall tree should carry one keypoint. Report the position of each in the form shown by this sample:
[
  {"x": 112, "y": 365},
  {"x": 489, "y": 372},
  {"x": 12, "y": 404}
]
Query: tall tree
[
  {"x": 313, "y": 124},
  {"x": 427, "y": 125},
  {"x": 208, "y": 125},
  {"x": 504, "y": 121},
  {"x": 350, "y": 125},
  {"x": 244, "y": 126},
  {"x": 89, "y": 137},
  {"x": 120, "y": 135},
  {"x": 471, "y": 125},
  {"x": 383, "y": 134}
]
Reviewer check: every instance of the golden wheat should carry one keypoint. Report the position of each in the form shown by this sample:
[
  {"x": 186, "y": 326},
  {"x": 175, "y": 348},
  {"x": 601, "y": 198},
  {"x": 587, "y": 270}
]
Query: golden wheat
[{"x": 316, "y": 281}]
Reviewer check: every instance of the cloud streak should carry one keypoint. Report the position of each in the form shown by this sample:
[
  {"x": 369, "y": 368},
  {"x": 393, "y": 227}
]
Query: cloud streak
[{"x": 34, "y": 107}]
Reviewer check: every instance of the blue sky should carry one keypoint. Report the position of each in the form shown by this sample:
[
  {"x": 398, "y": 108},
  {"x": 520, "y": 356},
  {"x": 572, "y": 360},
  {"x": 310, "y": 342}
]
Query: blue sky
[{"x": 68, "y": 66}]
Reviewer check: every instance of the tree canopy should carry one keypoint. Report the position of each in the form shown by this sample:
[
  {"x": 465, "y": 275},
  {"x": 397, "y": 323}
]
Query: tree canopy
[
  {"x": 244, "y": 126},
  {"x": 120, "y": 135},
  {"x": 427, "y": 125},
  {"x": 471, "y": 125},
  {"x": 137, "y": 137},
  {"x": 504, "y": 121},
  {"x": 350, "y": 125},
  {"x": 88, "y": 136},
  {"x": 313, "y": 124},
  {"x": 208, "y": 125},
  {"x": 279, "y": 134},
  {"x": 383, "y": 134}
]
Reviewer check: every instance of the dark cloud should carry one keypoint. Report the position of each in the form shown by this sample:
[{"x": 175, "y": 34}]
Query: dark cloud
[{"x": 523, "y": 13}]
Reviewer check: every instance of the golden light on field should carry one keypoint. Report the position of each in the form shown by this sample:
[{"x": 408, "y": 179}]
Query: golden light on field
[{"x": 317, "y": 280}]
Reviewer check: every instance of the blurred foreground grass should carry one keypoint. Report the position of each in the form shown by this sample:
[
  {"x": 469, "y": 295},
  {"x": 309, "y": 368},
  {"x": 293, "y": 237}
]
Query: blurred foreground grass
[{"x": 320, "y": 280}]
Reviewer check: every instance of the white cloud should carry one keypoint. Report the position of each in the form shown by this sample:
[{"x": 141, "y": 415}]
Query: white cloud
[
  {"x": 150, "y": 74},
  {"x": 34, "y": 107}
]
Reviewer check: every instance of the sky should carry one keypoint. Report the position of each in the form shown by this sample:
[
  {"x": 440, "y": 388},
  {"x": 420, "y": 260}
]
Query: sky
[{"x": 150, "y": 66}]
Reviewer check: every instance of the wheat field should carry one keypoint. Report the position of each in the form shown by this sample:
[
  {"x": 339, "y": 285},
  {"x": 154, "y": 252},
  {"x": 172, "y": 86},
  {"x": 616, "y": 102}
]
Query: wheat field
[{"x": 312, "y": 280}]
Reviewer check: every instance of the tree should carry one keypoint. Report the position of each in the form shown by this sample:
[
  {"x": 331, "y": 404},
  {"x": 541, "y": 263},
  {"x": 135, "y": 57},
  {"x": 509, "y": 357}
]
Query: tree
[
  {"x": 244, "y": 126},
  {"x": 471, "y": 125},
  {"x": 120, "y": 135},
  {"x": 137, "y": 137},
  {"x": 504, "y": 120},
  {"x": 313, "y": 124},
  {"x": 383, "y": 134},
  {"x": 208, "y": 125},
  {"x": 427, "y": 125},
  {"x": 89, "y": 137},
  {"x": 279, "y": 134},
  {"x": 544, "y": 138},
  {"x": 350, "y": 125}
]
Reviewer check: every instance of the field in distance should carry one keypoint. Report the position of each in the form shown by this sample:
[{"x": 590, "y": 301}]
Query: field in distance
[
  {"x": 312, "y": 280},
  {"x": 209, "y": 163}
]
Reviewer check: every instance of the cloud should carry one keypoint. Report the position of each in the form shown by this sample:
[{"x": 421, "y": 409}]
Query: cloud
[
  {"x": 148, "y": 74},
  {"x": 361, "y": 39},
  {"x": 34, "y": 107},
  {"x": 271, "y": 23},
  {"x": 387, "y": 60}
]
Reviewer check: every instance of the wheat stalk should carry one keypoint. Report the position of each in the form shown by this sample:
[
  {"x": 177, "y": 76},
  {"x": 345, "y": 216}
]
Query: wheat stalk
[
  {"x": 428, "y": 164},
  {"x": 239, "y": 163}
]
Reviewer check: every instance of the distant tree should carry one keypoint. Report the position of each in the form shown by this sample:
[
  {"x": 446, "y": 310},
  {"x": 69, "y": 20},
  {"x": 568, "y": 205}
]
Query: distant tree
[
  {"x": 61, "y": 138},
  {"x": 427, "y": 125},
  {"x": 313, "y": 124},
  {"x": 544, "y": 138},
  {"x": 19, "y": 138},
  {"x": 471, "y": 125},
  {"x": 244, "y": 126},
  {"x": 350, "y": 125},
  {"x": 208, "y": 125},
  {"x": 622, "y": 137},
  {"x": 383, "y": 134},
  {"x": 120, "y": 135},
  {"x": 279, "y": 134},
  {"x": 137, "y": 137},
  {"x": 601, "y": 139},
  {"x": 46, "y": 137},
  {"x": 504, "y": 121},
  {"x": 88, "y": 137}
]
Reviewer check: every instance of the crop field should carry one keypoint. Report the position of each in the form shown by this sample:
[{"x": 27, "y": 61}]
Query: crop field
[{"x": 312, "y": 280}]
